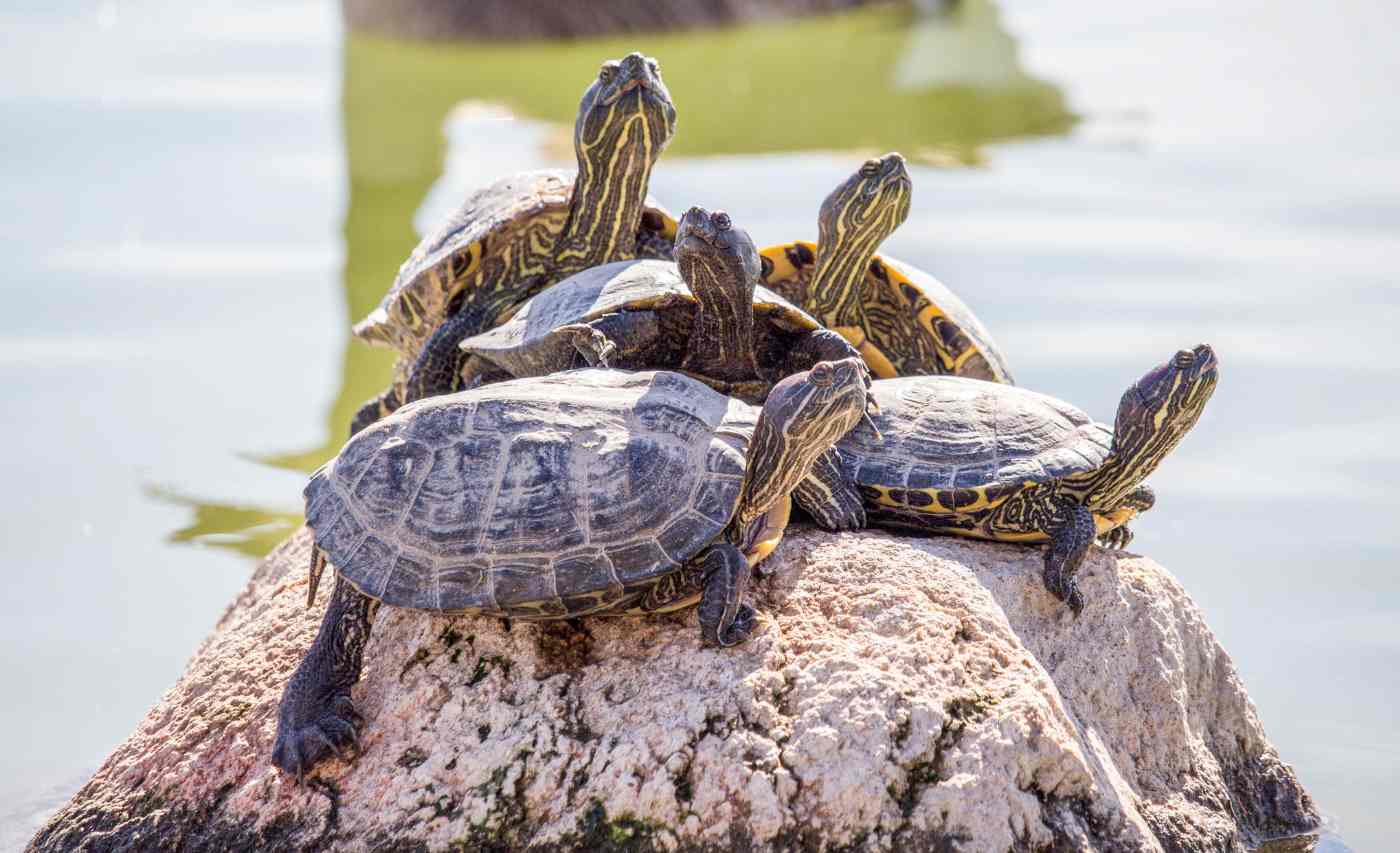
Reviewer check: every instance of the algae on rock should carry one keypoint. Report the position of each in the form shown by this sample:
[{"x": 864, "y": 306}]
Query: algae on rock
[{"x": 899, "y": 694}]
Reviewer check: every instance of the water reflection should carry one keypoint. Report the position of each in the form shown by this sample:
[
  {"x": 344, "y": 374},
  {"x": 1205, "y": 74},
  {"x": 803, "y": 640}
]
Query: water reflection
[
  {"x": 937, "y": 87},
  {"x": 248, "y": 530}
]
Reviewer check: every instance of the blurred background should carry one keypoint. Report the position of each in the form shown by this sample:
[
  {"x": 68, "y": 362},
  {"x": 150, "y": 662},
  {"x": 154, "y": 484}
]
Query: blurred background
[{"x": 203, "y": 197}]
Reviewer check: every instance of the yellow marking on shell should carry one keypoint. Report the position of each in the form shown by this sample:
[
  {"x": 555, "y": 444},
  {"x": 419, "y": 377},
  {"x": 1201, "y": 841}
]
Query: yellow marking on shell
[
  {"x": 982, "y": 502},
  {"x": 782, "y": 266},
  {"x": 669, "y": 225},
  {"x": 774, "y": 524},
  {"x": 681, "y": 604},
  {"x": 473, "y": 263},
  {"x": 874, "y": 359},
  {"x": 1031, "y": 536}
]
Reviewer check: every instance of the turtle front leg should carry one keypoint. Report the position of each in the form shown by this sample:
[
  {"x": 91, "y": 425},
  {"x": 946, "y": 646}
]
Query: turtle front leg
[
  {"x": 316, "y": 717},
  {"x": 599, "y": 341},
  {"x": 590, "y": 343},
  {"x": 829, "y": 496},
  {"x": 1069, "y": 542},
  {"x": 1135, "y": 503},
  {"x": 723, "y": 573}
]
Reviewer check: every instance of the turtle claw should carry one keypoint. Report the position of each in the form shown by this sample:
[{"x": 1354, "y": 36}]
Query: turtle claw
[
  {"x": 300, "y": 746},
  {"x": 592, "y": 344},
  {"x": 1117, "y": 539},
  {"x": 345, "y": 708},
  {"x": 1066, "y": 590},
  {"x": 740, "y": 629}
]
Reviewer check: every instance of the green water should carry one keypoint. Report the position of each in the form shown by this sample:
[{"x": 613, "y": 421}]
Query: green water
[{"x": 205, "y": 200}]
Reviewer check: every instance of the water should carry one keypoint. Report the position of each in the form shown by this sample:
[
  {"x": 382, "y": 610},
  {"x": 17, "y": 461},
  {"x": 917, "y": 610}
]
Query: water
[{"x": 202, "y": 201}]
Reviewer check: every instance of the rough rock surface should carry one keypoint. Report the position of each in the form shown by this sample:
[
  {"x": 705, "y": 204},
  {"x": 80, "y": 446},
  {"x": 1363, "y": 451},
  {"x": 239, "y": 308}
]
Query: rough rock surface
[{"x": 899, "y": 694}]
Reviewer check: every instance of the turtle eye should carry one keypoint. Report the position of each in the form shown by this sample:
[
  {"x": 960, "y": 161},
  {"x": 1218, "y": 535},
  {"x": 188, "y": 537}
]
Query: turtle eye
[
  {"x": 608, "y": 71},
  {"x": 1184, "y": 359},
  {"x": 654, "y": 66},
  {"x": 821, "y": 373},
  {"x": 870, "y": 168},
  {"x": 721, "y": 220}
]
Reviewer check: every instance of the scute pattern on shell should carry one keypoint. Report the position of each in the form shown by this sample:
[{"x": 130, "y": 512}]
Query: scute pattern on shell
[
  {"x": 887, "y": 316},
  {"x": 951, "y": 432},
  {"x": 537, "y": 199},
  {"x": 526, "y": 497},
  {"x": 619, "y": 286}
]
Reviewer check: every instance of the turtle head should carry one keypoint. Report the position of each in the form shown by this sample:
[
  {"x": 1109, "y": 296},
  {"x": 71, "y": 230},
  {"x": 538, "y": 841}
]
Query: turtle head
[
  {"x": 868, "y": 206},
  {"x": 720, "y": 265},
  {"x": 854, "y": 220},
  {"x": 1153, "y": 416},
  {"x": 625, "y": 119},
  {"x": 803, "y": 417},
  {"x": 711, "y": 243}
]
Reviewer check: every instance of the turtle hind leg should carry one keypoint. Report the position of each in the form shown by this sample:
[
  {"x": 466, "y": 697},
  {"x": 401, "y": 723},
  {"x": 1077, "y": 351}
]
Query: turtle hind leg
[
  {"x": 724, "y": 572},
  {"x": 438, "y": 368},
  {"x": 375, "y": 409},
  {"x": 1069, "y": 542},
  {"x": 316, "y": 718}
]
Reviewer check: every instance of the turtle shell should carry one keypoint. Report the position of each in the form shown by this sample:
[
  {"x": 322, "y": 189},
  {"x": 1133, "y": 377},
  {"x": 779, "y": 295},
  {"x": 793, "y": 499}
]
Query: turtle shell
[
  {"x": 534, "y": 498},
  {"x": 524, "y": 345},
  {"x": 915, "y": 325},
  {"x": 963, "y": 443},
  {"x": 529, "y": 208}
]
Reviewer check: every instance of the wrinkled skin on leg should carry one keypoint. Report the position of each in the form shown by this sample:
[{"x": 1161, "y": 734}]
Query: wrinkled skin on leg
[
  {"x": 374, "y": 409},
  {"x": 724, "y": 618},
  {"x": 437, "y": 370},
  {"x": 829, "y": 496},
  {"x": 316, "y": 718},
  {"x": 1139, "y": 500},
  {"x": 719, "y": 575},
  {"x": 1070, "y": 539}
]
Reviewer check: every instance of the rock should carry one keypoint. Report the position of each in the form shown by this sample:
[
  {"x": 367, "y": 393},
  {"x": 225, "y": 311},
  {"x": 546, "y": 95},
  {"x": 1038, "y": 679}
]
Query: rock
[
  {"x": 491, "y": 20},
  {"x": 899, "y": 694}
]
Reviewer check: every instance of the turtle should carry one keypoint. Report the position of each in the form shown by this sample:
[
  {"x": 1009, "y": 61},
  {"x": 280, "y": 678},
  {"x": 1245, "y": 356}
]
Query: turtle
[
  {"x": 552, "y": 498},
  {"x": 903, "y": 321},
  {"x": 516, "y": 236},
  {"x": 974, "y": 458},
  {"x": 703, "y": 314}
]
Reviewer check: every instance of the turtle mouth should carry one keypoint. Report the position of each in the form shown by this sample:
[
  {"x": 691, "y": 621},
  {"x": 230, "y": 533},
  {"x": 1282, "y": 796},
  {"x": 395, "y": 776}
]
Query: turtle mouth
[
  {"x": 1203, "y": 358},
  {"x": 643, "y": 86},
  {"x": 899, "y": 181},
  {"x": 694, "y": 242}
]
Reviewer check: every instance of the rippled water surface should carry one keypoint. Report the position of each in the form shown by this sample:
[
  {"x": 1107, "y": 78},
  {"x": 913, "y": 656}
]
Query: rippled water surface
[{"x": 200, "y": 202}]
